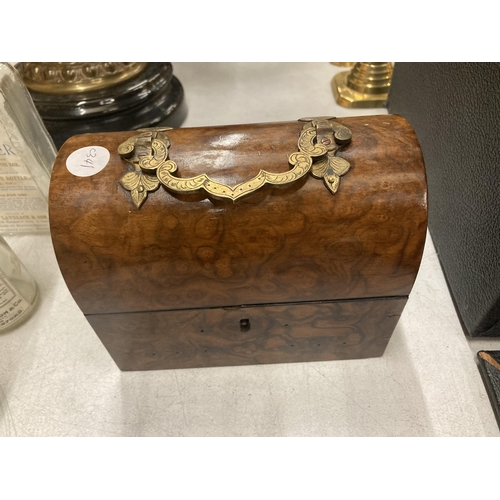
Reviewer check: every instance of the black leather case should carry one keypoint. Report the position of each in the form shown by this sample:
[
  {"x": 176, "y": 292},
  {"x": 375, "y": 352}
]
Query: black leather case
[{"x": 455, "y": 111}]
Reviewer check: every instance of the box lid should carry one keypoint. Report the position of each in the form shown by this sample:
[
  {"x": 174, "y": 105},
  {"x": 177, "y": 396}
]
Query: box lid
[{"x": 294, "y": 243}]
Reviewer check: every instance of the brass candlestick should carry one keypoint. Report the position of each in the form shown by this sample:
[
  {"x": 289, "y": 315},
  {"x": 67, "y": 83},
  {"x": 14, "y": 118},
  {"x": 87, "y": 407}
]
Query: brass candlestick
[{"x": 365, "y": 86}]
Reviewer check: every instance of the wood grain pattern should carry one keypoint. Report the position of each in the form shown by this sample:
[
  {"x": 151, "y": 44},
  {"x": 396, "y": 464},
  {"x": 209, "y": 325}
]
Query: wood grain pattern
[
  {"x": 289, "y": 245},
  {"x": 276, "y": 334}
]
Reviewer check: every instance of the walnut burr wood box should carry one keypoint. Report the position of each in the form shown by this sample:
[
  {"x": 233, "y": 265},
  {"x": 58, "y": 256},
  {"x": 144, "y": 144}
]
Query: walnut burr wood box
[{"x": 246, "y": 244}]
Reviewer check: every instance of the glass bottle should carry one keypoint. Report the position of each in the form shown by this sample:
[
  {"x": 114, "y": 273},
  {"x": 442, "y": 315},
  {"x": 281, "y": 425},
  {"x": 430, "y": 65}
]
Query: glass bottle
[
  {"x": 27, "y": 154},
  {"x": 18, "y": 289}
]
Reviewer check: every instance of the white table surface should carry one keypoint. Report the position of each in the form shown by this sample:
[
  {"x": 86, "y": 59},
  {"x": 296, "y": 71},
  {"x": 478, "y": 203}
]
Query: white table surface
[{"x": 57, "y": 379}]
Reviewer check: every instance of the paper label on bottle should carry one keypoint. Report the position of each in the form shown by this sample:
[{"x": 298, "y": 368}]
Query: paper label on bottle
[
  {"x": 12, "y": 304},
  {"x": 23, "y": 208},
  {"x": 87, "y": 161}
]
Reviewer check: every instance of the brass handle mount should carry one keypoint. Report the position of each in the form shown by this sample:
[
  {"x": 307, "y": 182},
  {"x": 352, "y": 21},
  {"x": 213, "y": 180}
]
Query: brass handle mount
[{"x": 318, "y": 143}]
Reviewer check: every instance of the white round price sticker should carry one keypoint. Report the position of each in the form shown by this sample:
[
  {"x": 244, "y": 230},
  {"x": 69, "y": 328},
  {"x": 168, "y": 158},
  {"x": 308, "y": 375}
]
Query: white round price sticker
[{"x": 87, "y": 161}]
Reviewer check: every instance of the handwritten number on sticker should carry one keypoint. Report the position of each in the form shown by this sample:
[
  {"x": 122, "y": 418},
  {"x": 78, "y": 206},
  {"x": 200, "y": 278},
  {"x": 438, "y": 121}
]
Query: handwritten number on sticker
[{"x": 88, "y": 162}]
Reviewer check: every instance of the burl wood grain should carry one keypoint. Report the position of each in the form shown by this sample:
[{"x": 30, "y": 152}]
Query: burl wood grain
[
  {"x": 280, "y": 245},
  {"x": 274, "y": 334}
]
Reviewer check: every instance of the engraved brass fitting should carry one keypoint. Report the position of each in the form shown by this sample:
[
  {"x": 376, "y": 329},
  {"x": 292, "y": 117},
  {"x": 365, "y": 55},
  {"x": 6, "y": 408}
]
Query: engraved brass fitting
[{"x": 318, "y": 144}]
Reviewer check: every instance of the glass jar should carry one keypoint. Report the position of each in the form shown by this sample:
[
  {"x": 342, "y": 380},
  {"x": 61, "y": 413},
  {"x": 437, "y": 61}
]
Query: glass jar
[
  {"x": 27, "y": 154},
  {"x": 18, "y": 289}
]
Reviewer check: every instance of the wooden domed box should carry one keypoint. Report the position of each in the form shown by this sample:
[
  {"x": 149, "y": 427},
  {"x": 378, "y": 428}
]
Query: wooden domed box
[{"x": 245, "y": 244}]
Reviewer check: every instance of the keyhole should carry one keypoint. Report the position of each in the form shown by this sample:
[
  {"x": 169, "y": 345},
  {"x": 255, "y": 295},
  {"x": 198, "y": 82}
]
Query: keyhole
[{"x": 244, "y": 325}]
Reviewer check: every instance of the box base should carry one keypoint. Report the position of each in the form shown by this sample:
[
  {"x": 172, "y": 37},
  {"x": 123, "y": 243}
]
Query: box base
[{"x": 247, "y": 335}]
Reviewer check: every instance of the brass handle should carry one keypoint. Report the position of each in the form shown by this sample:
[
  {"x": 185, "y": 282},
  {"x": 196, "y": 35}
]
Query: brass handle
[{"x": 147, "y": 152}]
